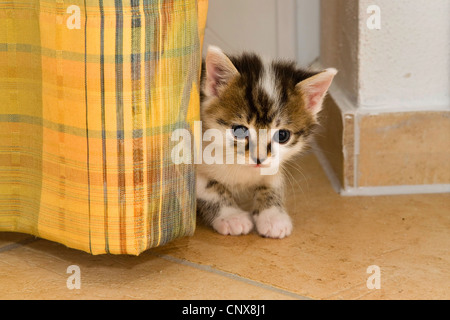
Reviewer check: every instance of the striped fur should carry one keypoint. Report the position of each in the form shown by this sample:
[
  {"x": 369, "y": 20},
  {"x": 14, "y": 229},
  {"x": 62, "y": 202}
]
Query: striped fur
[{"x": 247, "y": 91}]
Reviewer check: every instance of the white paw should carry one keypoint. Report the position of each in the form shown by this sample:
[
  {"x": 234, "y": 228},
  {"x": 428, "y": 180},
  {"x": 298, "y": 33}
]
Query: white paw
[
  {"x": 233, "y": 221},
  {"x": 273, "y": 223}
]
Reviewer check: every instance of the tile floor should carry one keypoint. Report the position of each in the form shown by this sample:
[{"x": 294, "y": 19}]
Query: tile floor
[{"x": 335, "y": 240}]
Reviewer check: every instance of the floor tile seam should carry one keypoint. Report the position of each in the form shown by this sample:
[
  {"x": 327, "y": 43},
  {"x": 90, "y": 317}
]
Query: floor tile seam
[
  {"x": 230, "y": 275},
  {"x": 18, "y": 244}
]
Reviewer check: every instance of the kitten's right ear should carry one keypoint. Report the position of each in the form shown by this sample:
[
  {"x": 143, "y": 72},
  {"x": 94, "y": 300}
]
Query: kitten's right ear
[
  {"x": 219, "y": 71},
  {"x": 315, "y": 88}
]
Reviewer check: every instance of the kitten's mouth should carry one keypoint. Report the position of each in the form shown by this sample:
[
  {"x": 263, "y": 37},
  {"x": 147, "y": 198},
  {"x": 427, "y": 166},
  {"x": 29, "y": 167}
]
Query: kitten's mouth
[{"x": 259, "y": 165}]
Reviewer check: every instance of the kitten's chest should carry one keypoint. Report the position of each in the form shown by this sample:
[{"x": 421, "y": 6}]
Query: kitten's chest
[{"x": 236, "y": 177}]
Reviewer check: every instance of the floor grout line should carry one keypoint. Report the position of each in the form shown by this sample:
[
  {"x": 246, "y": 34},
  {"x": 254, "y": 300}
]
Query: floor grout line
[
  {"x": 229, "y": 275},
  {"x": 358, "y": 285},
  {"x": 18, "y": 244}
]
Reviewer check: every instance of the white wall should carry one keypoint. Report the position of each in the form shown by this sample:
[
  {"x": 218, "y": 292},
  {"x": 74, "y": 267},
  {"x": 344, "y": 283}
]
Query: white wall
[
  {"x": 407, "y": 62},
  {"x": 308, "y": 30},
  {"x": 405, "y": 65},
  {"x": 273, "y": 28},
  {"x": 236, "y": 25},
  {"x": 339, "y": 44}
]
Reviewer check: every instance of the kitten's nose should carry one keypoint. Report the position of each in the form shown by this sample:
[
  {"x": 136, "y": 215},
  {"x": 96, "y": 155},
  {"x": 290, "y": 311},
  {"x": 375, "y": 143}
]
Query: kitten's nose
[{"x": 258, "y": 160}]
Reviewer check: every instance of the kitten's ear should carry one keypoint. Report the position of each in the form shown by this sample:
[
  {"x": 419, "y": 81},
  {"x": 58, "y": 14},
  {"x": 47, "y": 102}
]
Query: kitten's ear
[
  {"x": 314, "y": 89},
  {"x": 219, "y": 71}
]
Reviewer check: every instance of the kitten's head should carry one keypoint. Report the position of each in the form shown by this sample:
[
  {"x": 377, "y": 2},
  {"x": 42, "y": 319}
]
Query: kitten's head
[{"x": 243, "y": 94}]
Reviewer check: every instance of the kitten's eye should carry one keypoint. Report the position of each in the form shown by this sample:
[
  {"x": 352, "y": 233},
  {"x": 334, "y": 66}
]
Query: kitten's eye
[
  {"x": 282, "y": 136},
  {"x": 240, "y": 132}
]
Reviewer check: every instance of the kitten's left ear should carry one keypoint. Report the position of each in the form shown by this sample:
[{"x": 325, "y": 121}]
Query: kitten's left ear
[
  {"x": 314, "y": 89},
  {"x": 219, "y": 71}
]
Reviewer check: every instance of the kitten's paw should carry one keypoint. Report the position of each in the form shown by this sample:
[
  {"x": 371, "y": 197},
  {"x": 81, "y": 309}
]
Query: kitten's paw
[
  {"x": 273, "y": 223},
  {"x": 233, "y": 222}
]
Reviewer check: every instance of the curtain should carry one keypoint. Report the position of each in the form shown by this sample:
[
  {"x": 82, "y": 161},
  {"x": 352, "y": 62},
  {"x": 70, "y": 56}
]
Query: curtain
[{"x": 90, "y": 92}]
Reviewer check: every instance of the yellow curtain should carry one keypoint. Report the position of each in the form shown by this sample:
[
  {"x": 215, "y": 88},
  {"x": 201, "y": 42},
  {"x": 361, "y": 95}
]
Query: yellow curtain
[{"x": 90, "y": 92}]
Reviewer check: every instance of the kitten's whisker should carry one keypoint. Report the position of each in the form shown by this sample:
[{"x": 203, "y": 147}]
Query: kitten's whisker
[
  {"x": 288, "y": 176},
  {"x": 291, "y": 179},
  {"x": 301, "y": 172}
]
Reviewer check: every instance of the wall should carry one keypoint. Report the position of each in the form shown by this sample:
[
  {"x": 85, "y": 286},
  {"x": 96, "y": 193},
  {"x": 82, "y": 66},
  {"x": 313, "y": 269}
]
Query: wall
[
  {"x": 275, "y": 29},
  {"x": 237, "y": 25},
  {"x": 387, "y": 119},
  {"x": 339, "y": 43},
  {"x": 406, "y": 63},
  {"x": 308, "y": 31}
]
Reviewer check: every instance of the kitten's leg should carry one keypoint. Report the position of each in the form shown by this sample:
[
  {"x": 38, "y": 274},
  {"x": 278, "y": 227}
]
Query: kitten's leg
[
  {"x": 217, "y": 207},
  {"x": 271, "y": 219}
]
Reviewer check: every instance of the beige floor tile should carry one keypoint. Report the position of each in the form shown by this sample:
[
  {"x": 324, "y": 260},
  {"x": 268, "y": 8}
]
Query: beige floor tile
[
  {"x": 39, "y": 271},
  {"x": 335, "y": 239},
  {"x": 10, "y": 239}
]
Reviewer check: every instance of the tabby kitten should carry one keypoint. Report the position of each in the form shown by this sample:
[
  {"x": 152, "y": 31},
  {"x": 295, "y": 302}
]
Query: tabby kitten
[{"x": 239, "y": 96}]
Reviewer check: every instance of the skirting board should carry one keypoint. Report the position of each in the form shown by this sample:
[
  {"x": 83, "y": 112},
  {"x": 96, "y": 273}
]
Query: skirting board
[{"x": 374, "y": 191}]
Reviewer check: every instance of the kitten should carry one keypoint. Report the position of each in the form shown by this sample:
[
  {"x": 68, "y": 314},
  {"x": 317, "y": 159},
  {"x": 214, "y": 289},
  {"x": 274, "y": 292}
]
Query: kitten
[{"x": 239, "y": 96}]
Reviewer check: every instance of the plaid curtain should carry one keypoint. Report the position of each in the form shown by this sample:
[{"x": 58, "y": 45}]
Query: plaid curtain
[{"x": 90, "y": 92}]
